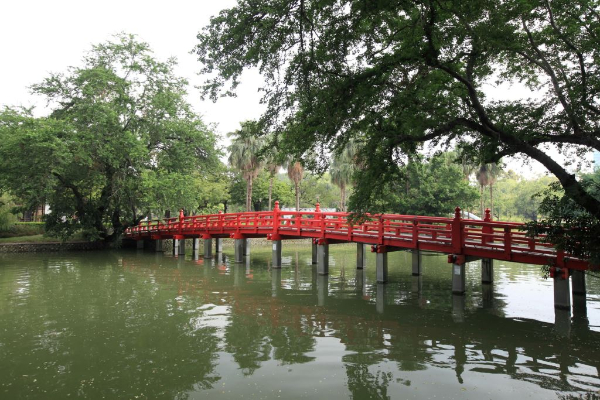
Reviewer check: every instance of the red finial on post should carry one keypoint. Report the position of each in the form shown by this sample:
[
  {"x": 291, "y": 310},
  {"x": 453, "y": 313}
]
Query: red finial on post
[
  {"x": 276, "y": 206},
  {"x": 220, "y": 211},
  {"x": 488, "y": 215},
  {"x": 317, "y": 207},
  {"x": 457, "y": 213},
  {"x": 181, "y": 216}
]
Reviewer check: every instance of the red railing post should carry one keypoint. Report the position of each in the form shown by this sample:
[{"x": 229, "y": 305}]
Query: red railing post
[
  {"x": 507, "y": 242},
  {"x": 457, "y": 233},
  {"x": 415, "y": 234},
  {"x": 380, "y": 230},
  {"x": 486, "y": 230},
  {"x": 181, "y": 216},
  {"x": 276, "y": 212},
  {"x": 220, "y": 221}
]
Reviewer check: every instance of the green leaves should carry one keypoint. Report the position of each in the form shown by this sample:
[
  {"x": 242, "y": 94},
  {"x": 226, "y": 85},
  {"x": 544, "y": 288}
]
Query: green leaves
[{"x": 121, "y": 143}]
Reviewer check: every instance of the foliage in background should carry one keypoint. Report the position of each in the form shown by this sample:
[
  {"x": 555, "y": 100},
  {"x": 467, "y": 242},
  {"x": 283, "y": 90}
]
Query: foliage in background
[
  {"x": 282, "y": 191},
  {"x": 433, "y": 187},
  {"x": 119, "y": 133},
  {"x": 7, "y": 218},
  {"x": 567, "y": 225}
]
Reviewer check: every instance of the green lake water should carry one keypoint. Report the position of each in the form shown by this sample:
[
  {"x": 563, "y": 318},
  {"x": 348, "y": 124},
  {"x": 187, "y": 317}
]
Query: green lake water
[{"x": 143, "y": 325}]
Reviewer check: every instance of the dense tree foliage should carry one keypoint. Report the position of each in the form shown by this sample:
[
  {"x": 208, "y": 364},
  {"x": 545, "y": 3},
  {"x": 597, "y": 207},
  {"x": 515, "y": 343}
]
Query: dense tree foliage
[
  {"x": 395, "y": 74},
  {"x": 432, "y": 187},
  {"x": 120, "y": 143}
]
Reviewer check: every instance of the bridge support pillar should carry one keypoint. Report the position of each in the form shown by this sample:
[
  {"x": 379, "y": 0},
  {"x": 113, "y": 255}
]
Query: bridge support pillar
[
  {"x": 181, "y": 247},
  {"x": 238, "y": 247},
  {"x": 246, "y": 247},
  {"x": 361, "y": 256},
  {"x": 578, "y": 282},
  {"x": 382, "y": 267},
  {"x": 562, "y": 293},
  {"x": 579, "y": 295},
  {"x": 416, "y": 262},
  {"x": 323, "y": 259},
  {"x": 487, "y": 270},
  {"x": 458, "y": 279},
  {"x": 139, "y": 244},
  {"x": 322, "y": 289},
  {"x": 195, "y": 245},
  {"x": 218, "y": 245},
  {"x": 158, "y": 246},
  {"x": 207, "y": 248},
  {"x": 380, "y": 299},
  {"x": 175, "y": 247},
  {"x": 276, "y": 258},
  {"x": 314, "y": 252}
]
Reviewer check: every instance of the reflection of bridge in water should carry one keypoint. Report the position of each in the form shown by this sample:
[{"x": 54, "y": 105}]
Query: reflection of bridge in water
[
  {"x": 462, "y": 239},
  {"x": 374, "y": 328}
]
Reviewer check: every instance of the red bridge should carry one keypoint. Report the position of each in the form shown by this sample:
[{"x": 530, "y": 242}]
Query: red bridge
[{"x": 461, "y": 238}]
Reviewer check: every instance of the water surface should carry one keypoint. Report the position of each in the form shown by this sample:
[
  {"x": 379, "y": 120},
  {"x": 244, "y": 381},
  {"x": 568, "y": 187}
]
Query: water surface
[{"x": 134, "y": 324}]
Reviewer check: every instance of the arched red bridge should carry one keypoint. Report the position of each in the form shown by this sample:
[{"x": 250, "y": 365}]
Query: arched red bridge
[{"x": 460, "y": 238}]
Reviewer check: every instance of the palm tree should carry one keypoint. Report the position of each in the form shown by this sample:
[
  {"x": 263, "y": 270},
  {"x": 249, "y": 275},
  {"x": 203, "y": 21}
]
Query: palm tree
[
  {"x": 272, "y": 166},
  {"x": 295, "y": 171},
  {"x": 243, "y": 155},
  {"x": 342, "y": 169},
  {"x": 487, "y": 176}
]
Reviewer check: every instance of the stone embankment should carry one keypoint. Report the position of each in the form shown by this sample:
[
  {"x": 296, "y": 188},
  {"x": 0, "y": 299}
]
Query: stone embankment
[{"x": 49, "y": 247}]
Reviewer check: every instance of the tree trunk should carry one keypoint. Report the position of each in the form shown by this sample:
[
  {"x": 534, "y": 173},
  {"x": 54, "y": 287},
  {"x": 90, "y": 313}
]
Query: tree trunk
[
  {"x": 297, "y": 188},
  {"x": 270, "y": 191},
  {"x": 492, "y": 200},
  {"x": 481, "y": 201},
  {"x": 343, "y": 190},
  {"x": 249, "y": 194}
]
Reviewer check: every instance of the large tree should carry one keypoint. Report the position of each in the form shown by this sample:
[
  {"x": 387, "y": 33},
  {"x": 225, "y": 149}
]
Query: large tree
[
  {"x": 408, "y": 72},
  {"x": 119, "y": 133}
]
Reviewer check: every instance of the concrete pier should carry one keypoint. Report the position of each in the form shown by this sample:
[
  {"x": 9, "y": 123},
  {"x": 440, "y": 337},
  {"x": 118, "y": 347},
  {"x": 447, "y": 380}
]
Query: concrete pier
[
  {"x": 158, "y": 246},
  {"x": 416, "y": 262},
  {"x": 181, "y": 247},
  {"x": 382, "y": 267},
  {"x": 314, "y": 253},
  {"x": 578, "y": 282},
  {"x": 276, "y": 254},
  {"x": 487, "y": 270},
  {"x": 322, "y": 289},
  {"x": 361, "y": 256},
  {"x": 218, "y": 245},
  {"x": 381, "y": 297},
  {"x": 562, "y": 293},
  {"x": 323, "y": 259},
  {"x": 458, "y": 279},
  {"x": 246, "y": 247},
  {"x": 195, "y": 245},
  {"x": 207, "y": 248},
  {"x": 238, "y": 248}
]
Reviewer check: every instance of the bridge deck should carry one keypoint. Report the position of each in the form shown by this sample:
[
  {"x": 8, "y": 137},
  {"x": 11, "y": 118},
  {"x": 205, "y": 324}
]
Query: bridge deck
[{"x": 386, "y": 232}]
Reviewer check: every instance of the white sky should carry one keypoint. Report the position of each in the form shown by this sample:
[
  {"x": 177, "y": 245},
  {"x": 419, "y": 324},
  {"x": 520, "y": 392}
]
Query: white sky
[{"x": 43, "y": 36}]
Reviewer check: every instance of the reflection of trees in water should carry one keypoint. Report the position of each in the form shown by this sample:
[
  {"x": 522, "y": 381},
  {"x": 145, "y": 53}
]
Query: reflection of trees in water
[
  {"x": 362, "y": 383},
  {"x": 247, "y": 341},
  {"x": 97, "y": 331}
]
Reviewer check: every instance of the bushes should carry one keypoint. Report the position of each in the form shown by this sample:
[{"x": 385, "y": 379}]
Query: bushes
[{"x": 21, "y": 229}]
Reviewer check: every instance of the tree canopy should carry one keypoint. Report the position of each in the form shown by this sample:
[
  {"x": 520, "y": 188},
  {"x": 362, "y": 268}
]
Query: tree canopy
[
  {"x": 120, "y": 143},
  {"x": 395, "y": 74}
]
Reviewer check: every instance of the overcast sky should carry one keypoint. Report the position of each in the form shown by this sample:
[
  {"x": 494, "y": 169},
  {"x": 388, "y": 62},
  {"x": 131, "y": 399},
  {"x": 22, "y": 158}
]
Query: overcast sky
[{"x": 43, "y": 36}]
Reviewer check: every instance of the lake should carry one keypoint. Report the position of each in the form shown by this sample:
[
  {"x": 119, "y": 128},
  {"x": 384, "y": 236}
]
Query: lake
[{"x": 141, "y": 325}]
